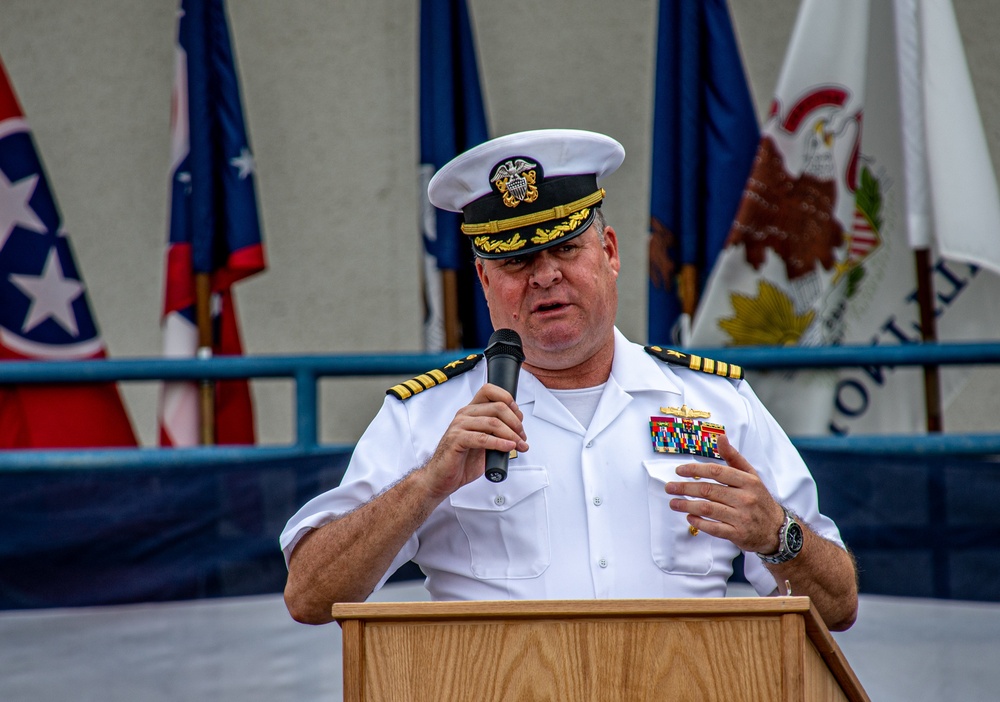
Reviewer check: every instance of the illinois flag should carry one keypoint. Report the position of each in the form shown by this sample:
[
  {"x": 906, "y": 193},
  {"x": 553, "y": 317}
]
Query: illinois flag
[
  {"x": 214, "y": 224},
  {"x": 873, "y": 135},
  {"x": 452, "y": 120},
  {"x": 44, "y": 311}
]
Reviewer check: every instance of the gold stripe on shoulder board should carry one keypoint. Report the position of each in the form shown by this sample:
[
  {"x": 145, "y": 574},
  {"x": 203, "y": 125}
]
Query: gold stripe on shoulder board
[
  {"x": 694, "y": 362},
  {"x": 426, "y": 381}
]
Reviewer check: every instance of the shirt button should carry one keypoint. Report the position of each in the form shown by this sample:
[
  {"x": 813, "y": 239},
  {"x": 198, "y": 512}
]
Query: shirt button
[
  {"x": 590, "y": 444},
  {"x": 498, "y": 500},
  {"x": 603, "y": 563},
  {"x": 598, "y": 501}
]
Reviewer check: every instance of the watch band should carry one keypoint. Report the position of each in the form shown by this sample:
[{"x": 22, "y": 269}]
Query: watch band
[{"x": 789, "y": 541}]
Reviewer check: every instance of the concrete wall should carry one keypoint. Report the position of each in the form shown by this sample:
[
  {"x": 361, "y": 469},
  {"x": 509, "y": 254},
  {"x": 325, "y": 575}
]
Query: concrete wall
[{"x": 330, "y": 95}]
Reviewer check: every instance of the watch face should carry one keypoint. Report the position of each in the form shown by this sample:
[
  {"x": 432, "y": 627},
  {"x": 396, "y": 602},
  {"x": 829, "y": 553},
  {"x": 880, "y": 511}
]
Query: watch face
[{"x": 793, "y": 537}]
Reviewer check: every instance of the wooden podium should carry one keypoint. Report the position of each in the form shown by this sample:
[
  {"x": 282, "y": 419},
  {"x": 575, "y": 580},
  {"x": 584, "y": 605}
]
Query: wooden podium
[{"x": 772, "y": 649}]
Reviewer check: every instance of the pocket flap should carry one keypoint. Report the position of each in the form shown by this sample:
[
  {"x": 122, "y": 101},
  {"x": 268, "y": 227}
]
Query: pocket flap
[
  {"x": 481, "y": 494},
  {"x": 664, "y": 470}
]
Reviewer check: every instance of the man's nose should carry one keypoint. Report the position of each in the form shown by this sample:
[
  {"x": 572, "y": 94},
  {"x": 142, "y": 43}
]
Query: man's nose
[{"x": 546, "y": 271}]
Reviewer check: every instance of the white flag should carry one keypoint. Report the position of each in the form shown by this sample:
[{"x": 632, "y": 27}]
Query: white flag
[{"x": 819, "y": 253}]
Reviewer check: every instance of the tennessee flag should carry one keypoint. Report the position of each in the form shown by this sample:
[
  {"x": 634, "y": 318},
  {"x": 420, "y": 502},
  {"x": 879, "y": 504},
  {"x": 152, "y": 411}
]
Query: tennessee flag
[
  {"x": 44, "y": 311},
  {"x": 214, "y": 223}
]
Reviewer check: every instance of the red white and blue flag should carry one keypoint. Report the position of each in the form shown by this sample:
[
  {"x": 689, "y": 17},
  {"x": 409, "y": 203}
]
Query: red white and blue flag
[
  {"x": 214, "y": 222},
  {"x": 44, "y": 310}
]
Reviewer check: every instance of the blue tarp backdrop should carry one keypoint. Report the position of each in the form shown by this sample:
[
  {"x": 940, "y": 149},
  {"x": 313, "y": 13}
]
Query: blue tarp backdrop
[
  {"x": 925, "y": 527},
  {"x": 919, "y": 527},
  {"x": 98, "y": 537}
]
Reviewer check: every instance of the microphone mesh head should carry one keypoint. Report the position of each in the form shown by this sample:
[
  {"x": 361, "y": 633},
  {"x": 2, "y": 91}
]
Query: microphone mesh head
[{"x": 505, "y": 341}]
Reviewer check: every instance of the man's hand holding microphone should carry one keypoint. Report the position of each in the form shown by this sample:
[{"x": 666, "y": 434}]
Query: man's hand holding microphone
[{"x": 484, "y": 432}]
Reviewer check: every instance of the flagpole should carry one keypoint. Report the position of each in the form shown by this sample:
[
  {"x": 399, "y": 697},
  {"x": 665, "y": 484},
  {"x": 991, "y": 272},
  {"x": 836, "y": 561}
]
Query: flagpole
[
  {"x": 203, "y": 314},
  {"x": 928, "y": 333},
  {"x": 452, "y": 324},
  {"x": 910, "y": 62},
  {"x": 687, "y": 289}
]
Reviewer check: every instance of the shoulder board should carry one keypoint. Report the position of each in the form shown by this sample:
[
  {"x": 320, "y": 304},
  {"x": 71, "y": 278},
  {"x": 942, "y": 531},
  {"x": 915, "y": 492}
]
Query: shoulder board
[
  {"x": 705, "y": 365},
  {"x": 425, "y": 381}
]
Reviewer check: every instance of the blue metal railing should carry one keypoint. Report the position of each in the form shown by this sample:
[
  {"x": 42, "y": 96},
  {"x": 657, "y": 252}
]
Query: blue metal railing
[{"x": 306, "y": 371}]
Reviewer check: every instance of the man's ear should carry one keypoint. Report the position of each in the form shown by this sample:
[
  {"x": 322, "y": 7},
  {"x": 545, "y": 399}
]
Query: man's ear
[
  {"x": 611, "y": 249},
  {"x": 484, "y": 278}
]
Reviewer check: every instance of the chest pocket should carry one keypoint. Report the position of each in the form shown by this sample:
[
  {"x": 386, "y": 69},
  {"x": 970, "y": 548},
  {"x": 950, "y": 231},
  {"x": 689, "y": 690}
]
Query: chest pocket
[
  {"x": 675, "y": 549},
  {"x": 507, "y": 524}
]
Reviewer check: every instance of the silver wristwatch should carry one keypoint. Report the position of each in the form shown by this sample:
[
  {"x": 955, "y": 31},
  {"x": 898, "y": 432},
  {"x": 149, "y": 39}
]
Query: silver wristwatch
[{"x": 789, "y": 541}]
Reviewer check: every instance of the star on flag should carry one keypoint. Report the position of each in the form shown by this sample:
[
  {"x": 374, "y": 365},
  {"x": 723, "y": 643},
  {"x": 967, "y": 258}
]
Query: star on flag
[
  {"x": 14, "y": 208},
  {"x": 52, "y": 295},
  {"x": 244, "y": 164}
]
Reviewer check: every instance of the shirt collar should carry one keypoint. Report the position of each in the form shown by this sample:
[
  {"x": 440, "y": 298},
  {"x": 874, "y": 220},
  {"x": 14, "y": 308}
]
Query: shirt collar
[
  {"x": 635, "y": 370},
  {"x": 632, "y": 369}
]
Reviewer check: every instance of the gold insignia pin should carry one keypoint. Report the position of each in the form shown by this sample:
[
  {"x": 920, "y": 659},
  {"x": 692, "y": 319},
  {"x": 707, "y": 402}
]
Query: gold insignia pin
[
  {"x": 685, "y": 412},
  {"x": 456, "y": 363}
]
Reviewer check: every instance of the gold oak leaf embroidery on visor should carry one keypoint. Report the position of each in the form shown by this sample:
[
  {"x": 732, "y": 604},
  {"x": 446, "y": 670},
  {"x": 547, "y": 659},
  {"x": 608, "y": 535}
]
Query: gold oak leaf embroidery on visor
[
  {"x": 544, "y": 236},
  {"x": 512, "y": 244}
]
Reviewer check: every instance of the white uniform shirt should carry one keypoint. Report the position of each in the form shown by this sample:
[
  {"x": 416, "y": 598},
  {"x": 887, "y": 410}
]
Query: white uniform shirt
[{"x": 583, "y": 514}]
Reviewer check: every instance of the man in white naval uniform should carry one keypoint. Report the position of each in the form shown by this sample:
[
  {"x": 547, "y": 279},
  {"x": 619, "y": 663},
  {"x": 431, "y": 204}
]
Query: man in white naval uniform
[{"x": 635, "y": 473}]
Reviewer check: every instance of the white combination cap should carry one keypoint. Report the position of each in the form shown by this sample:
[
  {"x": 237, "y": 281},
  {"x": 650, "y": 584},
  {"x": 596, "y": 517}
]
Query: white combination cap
[{"x": 524, "y": 192}]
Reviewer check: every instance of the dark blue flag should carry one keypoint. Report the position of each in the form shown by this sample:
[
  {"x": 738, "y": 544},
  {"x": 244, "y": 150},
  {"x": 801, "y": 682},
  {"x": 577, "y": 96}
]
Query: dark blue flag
[
  {"x": 705, "y": 135},
  {"x": 214, "y": 222},
  {"x": 452, "y": 120}
]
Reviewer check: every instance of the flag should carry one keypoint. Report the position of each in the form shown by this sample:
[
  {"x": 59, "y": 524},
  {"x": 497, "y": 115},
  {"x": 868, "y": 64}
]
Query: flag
[
  {"x": 704, "y": 138},
  {"x": 945, "y": 147},
  {"x": 452, "y": 120},
  {"x": 214, "y": 223},
  {"x": 44, "y": 310},
  {"x": 820, "y": 252}
]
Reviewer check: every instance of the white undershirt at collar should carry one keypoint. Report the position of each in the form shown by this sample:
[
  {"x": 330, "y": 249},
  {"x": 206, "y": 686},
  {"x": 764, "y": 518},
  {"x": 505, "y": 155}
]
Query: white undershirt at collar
[{"x": 581, "y": 402}]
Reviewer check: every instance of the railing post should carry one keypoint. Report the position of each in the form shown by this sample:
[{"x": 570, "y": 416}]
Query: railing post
[{"x": 306, "y": 408}]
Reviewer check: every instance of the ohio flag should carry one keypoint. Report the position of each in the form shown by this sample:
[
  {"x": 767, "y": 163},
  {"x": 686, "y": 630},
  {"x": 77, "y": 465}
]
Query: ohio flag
[
  {"x": 44, "y": 311},
  {"x": 873, "y": 144},
  {"x": 214, "y": 223}
]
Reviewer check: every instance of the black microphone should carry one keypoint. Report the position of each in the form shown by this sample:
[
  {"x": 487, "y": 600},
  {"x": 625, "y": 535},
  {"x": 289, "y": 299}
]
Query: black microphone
[{"x": 503, "y": 364}]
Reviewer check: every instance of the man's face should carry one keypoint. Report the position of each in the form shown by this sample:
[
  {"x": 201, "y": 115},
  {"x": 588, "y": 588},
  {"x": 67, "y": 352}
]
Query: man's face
[{"x": 562, "y": 300}]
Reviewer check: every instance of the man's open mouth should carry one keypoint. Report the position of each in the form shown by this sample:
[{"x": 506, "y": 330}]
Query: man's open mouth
[{"x": 549, "y": 306}]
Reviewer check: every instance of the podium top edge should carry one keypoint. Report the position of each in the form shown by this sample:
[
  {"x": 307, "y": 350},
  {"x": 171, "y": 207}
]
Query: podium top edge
[{"x": 534, "y": 609}]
